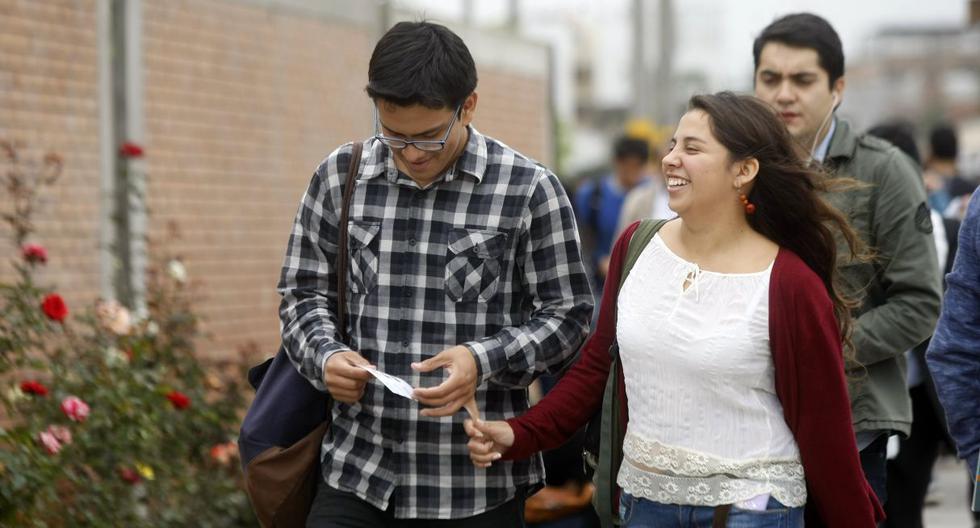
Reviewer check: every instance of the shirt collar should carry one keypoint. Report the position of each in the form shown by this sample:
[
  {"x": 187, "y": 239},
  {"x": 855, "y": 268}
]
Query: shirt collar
[
  {"x": 473, "y": 160},
  {"x": 821, "y": 153}
]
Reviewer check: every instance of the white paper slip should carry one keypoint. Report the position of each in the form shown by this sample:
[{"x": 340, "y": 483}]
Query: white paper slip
[
  {"x": 757, "y": 503},
  {"x": 394, "y": 384}
]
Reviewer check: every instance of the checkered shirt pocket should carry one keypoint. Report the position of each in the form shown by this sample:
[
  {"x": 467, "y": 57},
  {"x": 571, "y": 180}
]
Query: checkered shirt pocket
[
  {"x": 363, "y": 241},
  {"x": 473, "y": 264}
]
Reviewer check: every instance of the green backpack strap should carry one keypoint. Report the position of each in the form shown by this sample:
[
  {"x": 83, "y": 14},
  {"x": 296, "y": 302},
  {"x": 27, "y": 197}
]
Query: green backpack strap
[
  {"x": 612, "y": 434},
  {"x": 641, "y": 237}
]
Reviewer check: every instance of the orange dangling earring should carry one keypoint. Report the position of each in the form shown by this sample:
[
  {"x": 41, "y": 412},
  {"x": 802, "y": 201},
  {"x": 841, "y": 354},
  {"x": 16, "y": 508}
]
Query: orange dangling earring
[{"x": 749, "y": 206}]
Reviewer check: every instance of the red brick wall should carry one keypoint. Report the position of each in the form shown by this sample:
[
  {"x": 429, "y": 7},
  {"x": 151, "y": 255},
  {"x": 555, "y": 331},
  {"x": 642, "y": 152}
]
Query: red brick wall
[
  {"x": 48, "y": 102},
  {"x": 241, "y": 105},
  {"x": 241, "y": 102},
  {"x": 513, "y": 108}
]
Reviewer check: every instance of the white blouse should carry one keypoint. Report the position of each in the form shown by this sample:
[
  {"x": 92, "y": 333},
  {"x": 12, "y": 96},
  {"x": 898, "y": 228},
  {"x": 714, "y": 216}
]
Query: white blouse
[{"x": 706, "y": 426}]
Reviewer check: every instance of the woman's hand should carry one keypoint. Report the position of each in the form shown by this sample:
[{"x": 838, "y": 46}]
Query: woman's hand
[{"x": 488, "y": 441}]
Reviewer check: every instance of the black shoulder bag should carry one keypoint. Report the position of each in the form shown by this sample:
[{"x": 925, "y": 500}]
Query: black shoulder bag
[{"x": 283, "y": 430}]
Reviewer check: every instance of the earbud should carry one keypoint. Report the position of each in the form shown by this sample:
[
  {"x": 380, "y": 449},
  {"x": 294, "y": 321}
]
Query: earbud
[{"x": 836, "y": 99}]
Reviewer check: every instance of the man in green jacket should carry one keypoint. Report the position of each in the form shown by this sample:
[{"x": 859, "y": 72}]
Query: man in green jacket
[{"x": 799, "y": 70}]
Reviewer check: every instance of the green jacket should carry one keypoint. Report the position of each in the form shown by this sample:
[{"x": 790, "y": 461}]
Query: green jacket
[{"x": 900, "y": 291}]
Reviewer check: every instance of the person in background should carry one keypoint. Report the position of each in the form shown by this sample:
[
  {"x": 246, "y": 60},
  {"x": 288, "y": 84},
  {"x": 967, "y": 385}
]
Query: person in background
[
  {"x": 799, "y": 71},
  {"x": 599, "y": 202},
  {"x": 729, "y": 327},
  {"x": 910, "y": 471},
  {"x": 945, "y": 230},
  {"x": 948, "y": 190},
  {"x": 646, "y": 201}
]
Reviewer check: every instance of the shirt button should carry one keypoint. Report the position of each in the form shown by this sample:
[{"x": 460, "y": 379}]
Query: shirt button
[
  {"x": 411, "y": 242},
  {"x": 405, "y": 343},
  {"x": 408, "y": 293}
]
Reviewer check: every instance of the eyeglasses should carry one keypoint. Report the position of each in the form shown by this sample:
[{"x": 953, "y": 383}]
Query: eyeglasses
[{"x": 426, "y": 145}]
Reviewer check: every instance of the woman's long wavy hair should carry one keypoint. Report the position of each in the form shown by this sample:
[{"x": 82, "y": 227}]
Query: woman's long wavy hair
[{"x": 786, "y": 192}]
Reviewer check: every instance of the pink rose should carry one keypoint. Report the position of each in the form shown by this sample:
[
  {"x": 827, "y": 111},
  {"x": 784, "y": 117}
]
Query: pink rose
[
  {"x": 49, "y": 442},
  {"x": 60, "y": 433},
  {"x": 113, "y": 317},
  {"x": 75, "y": 409}
]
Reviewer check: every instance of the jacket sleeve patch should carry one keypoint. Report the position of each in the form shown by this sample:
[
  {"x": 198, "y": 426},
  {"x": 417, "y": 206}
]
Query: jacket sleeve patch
[{"x": 923, "y": 221}]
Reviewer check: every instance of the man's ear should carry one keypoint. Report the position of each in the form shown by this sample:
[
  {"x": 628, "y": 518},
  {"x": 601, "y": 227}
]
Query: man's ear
[
  {"x": 469, "y": 109},
  {"x": 838, "y": 91}
]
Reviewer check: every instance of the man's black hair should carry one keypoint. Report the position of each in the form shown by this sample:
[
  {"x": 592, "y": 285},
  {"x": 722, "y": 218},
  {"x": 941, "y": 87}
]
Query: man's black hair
[
  {"x": 421, "y": 63},
  {"x": 943, "y": 143},
  {"x": 805, "y": 30},
  {"x": 627, "y": 147}
]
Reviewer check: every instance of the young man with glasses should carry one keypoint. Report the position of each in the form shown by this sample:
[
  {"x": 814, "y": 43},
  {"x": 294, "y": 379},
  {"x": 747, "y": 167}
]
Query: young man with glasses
[{"x": 465, "y": 280}]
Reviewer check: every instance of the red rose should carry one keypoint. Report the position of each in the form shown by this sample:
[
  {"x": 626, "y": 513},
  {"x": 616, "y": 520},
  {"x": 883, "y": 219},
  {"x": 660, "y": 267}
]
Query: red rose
[
  {"x": 130, "y": 150},
  {"x": 179, "y": 400},
  {"x": 54, "y": 307},
  {"x": 34, "y": 387},
  {"x": 129, "y": 475},
  {"x": 34, "y": 253}
]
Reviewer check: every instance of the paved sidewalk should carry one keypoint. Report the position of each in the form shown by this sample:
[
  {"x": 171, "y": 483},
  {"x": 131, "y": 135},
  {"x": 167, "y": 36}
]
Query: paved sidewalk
[{"x": 950, "y": 488}]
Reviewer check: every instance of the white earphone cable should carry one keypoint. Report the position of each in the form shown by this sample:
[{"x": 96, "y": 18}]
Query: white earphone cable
[{"x": 826, "y": 120}]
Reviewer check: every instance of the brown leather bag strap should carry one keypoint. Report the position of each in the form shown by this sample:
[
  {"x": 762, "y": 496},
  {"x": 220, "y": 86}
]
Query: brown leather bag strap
[
  {"x": 721, "y": 516},
  {"x": 343, "y": 257}
]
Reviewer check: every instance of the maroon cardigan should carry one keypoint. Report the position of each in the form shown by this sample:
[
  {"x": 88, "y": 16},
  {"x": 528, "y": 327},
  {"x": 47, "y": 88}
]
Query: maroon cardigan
[{"x": 810, "y": 383}]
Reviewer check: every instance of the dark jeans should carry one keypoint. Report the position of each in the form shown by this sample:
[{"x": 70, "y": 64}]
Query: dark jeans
[
  {"x": 340, "y": 509},
  {"x": 642, "y": 513},
  {"x": 874, "y": 463}
]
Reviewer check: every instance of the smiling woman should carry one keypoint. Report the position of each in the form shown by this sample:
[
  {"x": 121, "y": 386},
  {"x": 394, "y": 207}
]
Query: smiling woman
[
  {"x": 730, "y": 350},
  {"x": 698, "y": 171},
  {"x": 742, "y": 134}
]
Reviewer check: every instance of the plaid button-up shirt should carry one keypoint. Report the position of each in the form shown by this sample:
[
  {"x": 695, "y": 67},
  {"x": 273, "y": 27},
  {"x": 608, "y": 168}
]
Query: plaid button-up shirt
[{"x": 488, "y": 256}]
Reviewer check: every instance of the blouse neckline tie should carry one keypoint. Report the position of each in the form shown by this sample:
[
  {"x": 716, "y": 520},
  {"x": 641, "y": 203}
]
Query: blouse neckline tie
[{"x": 693, "y": 280}]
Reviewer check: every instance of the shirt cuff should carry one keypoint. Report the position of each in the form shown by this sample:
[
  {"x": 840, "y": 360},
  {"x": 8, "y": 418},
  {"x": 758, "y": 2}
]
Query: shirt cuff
[
  {"x": 481, "y": 355},
  {"x": 323, "y": 353}
]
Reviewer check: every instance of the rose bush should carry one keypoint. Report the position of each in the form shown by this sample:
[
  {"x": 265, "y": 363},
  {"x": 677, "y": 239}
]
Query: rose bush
[{"x": 108, "y": 418}]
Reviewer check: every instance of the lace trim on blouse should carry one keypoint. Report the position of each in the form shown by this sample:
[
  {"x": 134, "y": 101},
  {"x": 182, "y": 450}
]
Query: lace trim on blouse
[{"x": 672, "y": 475}]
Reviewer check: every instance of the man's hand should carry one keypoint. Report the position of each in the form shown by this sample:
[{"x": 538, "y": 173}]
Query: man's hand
[
  {"x": 458, "y": 389},
  {"x": 488, "y": 441},
  {"x": 343, "y": 378}
]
